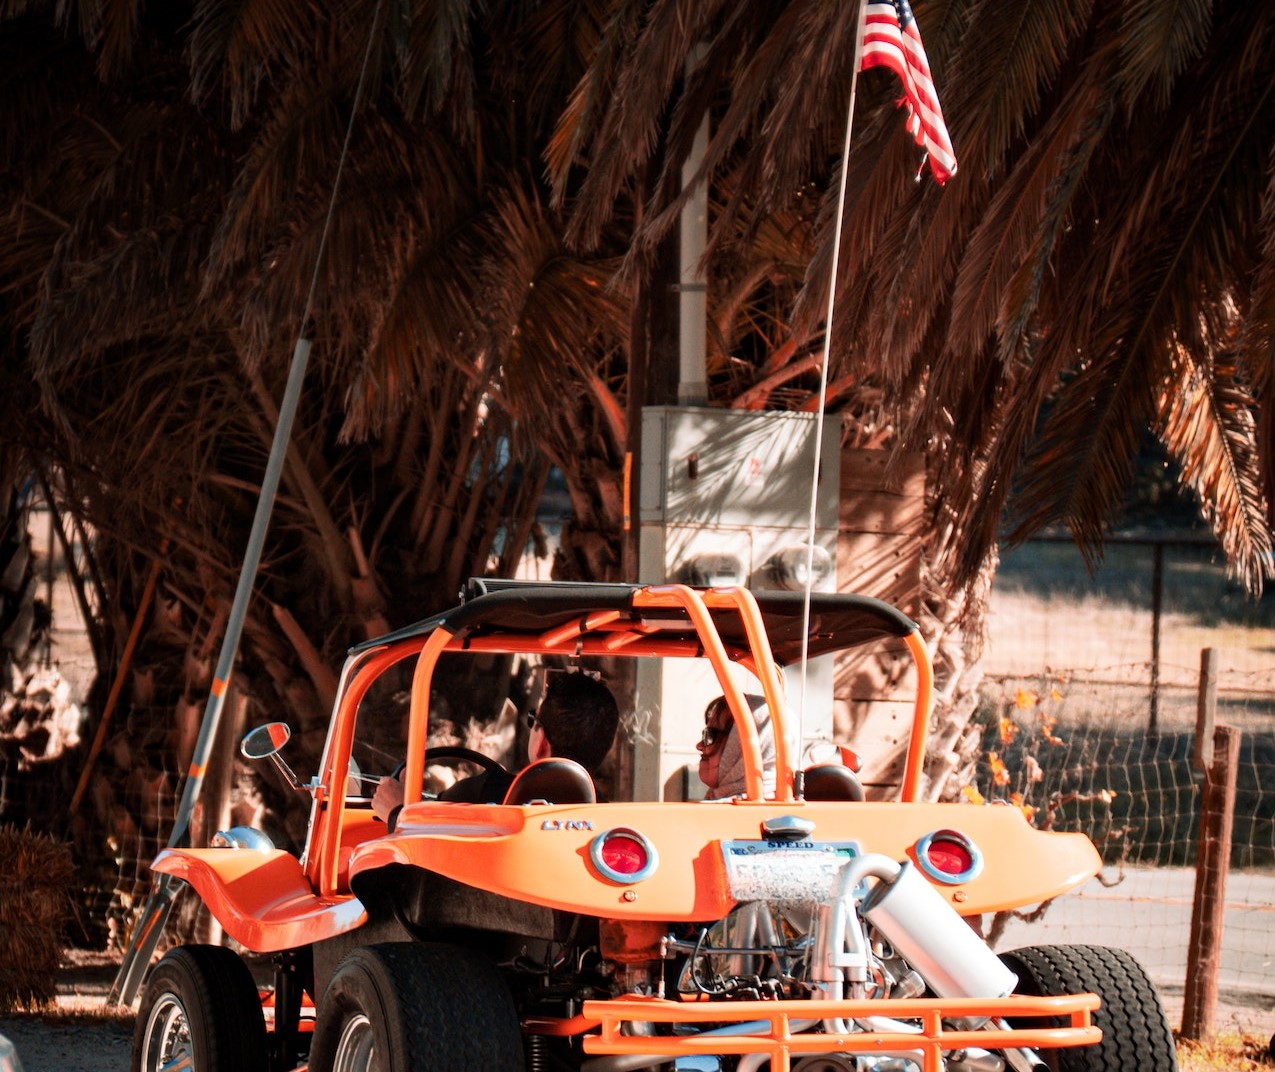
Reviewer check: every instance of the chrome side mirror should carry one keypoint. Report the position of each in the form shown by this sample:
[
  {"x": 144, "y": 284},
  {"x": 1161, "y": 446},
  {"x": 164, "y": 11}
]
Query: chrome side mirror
[{"x": 265, "y": 742}]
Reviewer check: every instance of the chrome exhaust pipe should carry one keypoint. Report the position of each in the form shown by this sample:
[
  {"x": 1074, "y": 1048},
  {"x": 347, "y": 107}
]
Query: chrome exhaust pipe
[{"x": 923, "y": 929}]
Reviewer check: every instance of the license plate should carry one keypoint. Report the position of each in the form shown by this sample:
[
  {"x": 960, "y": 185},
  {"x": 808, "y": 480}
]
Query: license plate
[{"x": 785, "y": 870}]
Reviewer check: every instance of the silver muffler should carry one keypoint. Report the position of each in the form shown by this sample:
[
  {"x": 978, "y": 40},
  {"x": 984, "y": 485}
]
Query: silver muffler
[
  {"x": 929, "y": 934},
  {"x": 917, "y": 921}
]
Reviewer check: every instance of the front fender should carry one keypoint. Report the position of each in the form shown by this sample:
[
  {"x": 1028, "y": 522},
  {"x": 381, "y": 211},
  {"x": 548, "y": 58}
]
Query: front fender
[{"x": 262, "y": 899}]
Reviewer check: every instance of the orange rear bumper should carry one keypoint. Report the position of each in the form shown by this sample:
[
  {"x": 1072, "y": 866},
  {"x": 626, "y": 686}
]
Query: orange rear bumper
[{"x": 776, "y": 1037}]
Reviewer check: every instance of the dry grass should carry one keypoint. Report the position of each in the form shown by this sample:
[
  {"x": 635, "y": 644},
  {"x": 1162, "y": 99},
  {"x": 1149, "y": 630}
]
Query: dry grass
[
  {"x": 1226, "y": 1053},
  {"x": 35, "y": 884},
  {"x": 79, "y": 1013},
  {"x": 1047, "y": 614}
]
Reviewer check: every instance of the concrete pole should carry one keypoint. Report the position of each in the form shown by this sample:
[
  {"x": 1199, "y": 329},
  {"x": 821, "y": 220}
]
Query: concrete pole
[{"x": 692, "y": 383}]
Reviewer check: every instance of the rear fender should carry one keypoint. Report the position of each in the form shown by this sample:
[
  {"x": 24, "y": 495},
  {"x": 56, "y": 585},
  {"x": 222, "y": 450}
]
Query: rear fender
[{"x": 541, "y": 853}]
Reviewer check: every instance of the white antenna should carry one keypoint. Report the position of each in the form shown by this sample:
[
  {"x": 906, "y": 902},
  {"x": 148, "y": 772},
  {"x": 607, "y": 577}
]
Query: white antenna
[{"x": 823, "y": 374}]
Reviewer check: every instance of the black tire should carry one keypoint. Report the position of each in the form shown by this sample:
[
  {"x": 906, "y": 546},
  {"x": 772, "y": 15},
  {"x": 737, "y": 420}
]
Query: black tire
[
  {"x": 416, "y": 1007},
  {"x": 1135, "y": 1032},
  {"x": 200, "y": 1003}
]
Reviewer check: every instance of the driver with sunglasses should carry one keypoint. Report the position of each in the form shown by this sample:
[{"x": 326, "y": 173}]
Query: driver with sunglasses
[{"x": 577, "y": 719}]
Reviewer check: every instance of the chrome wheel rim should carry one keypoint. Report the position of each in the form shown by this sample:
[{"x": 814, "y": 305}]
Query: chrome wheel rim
[
  {"x": 354, "y": 1050},
  {"x": 168, "y": 1045}
]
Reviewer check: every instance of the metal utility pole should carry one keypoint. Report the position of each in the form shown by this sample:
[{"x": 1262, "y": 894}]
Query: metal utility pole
[{"x": 151, "y": 924}]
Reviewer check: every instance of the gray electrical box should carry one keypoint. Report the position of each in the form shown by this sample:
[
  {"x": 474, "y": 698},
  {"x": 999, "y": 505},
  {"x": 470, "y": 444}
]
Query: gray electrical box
[{"x": 736, "y": 467}]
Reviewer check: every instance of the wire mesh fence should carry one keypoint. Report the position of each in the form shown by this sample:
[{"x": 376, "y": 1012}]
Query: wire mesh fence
[{"x": 1088, "y": 714}]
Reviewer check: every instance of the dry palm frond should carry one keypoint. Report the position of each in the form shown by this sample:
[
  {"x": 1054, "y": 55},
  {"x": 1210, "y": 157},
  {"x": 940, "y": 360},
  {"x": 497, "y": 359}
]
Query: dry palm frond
[
  {"x": 1159, "y": 43},
  {"x": 236, "y": 48},
  {"x": 551, "y": 315},
  {"x": 1207, "y": 420}
]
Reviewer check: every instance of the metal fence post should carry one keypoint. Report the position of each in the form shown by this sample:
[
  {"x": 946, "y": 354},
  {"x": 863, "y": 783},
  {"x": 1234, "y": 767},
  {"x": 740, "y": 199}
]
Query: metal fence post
[{"x": 1157, "y": 614}]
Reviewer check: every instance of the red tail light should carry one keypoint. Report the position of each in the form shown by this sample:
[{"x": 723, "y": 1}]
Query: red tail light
[
  {"x": 948, "y": 856},
  {"x": 623, "y": 855}
]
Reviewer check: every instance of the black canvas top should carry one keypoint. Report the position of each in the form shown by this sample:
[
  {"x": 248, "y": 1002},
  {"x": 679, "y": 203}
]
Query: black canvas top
[
  {"x": 491, "y": 607},
  {"x": 529, "y": 608}
]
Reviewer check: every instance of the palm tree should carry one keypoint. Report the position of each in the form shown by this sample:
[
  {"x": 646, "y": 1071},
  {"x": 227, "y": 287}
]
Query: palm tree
[
  {"x": 1098, "y": 273},
  {"x": 163, "y": 231},
  {"x": 1100, "y": 268},
  {"x": 509, "y": 179}
]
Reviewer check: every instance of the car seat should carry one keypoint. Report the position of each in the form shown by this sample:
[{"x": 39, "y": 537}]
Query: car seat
[
  {"x": 554, "y": 780},
  {"x": 831, "y": 781}
]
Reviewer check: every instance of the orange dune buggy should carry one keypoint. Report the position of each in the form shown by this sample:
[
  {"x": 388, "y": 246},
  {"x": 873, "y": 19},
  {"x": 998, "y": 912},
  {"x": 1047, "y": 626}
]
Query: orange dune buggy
[{"x": 808, "y": 929}]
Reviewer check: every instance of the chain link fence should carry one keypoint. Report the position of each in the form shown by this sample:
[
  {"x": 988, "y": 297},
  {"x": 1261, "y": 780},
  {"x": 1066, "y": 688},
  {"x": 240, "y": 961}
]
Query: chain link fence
[{"x": 1089, "y": 709}]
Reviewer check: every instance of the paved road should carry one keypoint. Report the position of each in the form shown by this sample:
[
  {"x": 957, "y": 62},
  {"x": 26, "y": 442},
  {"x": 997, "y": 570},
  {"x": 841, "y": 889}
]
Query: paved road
[
  {"x": 83, "y": 1046},
  {"x": 1148, "y": 912}
]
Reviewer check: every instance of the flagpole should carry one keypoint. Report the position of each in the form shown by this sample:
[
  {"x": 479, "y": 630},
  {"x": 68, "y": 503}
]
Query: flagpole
[
  {"x": 823, "y": 372},
  {"x": 150, "y": 925}
]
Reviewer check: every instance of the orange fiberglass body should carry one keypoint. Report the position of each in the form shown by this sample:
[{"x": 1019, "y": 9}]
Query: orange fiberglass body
[{"x": 755, "y": 932}]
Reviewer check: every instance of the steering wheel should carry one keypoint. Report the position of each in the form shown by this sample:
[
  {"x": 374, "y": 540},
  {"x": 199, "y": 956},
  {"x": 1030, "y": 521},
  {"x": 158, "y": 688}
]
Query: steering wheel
[
  {"x": 447, "y": 753},
  {"x": 451, "y": 754}
]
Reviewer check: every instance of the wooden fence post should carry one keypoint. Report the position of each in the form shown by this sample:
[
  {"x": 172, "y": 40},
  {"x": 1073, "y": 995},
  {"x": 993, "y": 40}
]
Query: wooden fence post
[
  {"x": 1205, "y": 712},
  {"x": 1213, "y": 861}
]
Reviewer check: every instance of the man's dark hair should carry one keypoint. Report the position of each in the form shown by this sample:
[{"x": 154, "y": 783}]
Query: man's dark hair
[{"x": 579, "y": 716}]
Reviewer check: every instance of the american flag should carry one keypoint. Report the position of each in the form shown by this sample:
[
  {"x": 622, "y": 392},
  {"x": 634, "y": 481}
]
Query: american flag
[{"x": 891, "y": 39}]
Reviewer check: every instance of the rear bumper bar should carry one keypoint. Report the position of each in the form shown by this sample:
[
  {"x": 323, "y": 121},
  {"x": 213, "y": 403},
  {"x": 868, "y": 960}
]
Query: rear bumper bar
[{"x": 771, "y": 1029}]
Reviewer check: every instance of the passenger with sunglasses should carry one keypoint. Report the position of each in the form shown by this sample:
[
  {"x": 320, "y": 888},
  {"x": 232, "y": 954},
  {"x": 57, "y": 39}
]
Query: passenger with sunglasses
[
  {"x": 577, "y": 719},
  {"x": 721, "y": 756}
]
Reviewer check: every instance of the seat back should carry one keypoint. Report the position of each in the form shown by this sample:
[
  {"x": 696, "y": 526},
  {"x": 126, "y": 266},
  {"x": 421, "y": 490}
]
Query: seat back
[
  {"x": 831, "y": 781},
  {"x": 552, "y": 781}
]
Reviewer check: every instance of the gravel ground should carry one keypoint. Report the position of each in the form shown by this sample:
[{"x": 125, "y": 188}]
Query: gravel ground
[
  {"x": 51, "y": 1044},
  {"x": 79, "y": 1035}
]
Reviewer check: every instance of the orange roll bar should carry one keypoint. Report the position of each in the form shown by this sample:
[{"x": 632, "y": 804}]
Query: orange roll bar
[
  {"x": 553, "y": 638},
  {"x": 325, "y": 827},
  {"x": 768, "y": 673},
  {"x": 418, "y": 725},
  {"x": 915, "y": 765},
  {"x": 679, "y": 595}
]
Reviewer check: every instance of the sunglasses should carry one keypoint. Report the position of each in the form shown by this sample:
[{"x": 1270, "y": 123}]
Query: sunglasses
[
  {"x": 714, "y": 733},
  {"x": 533, "y": 721}
]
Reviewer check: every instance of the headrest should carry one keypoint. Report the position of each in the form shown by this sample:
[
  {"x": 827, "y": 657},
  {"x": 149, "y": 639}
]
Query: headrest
[
  {"x": 552, "y": 781},
  {"x": 831, "y": 781}
]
